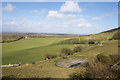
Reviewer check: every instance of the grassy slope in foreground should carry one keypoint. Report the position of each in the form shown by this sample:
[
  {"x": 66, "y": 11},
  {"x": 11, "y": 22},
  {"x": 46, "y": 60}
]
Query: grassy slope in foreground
[{"x": 48, "y": 68}]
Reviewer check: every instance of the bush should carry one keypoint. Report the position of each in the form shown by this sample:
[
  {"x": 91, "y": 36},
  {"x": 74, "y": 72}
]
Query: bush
[
  {"x": 96, "y": 69},
  {"x": 64, "y": 57},
  {"x": 74, "y": 41},
  {"x": 77, "y": 49},
  {"x": 33, "y": 62},
  {"x": 66, "y": 51},
  {"x": 109, "y": 39},
  {"x": 114, "y": 58},
  {"x": 49, "y": 56},
  {"x": 103, "y": 59},
  {"x": 91, "y": 42},
  {"x": 3, "y": 41}
]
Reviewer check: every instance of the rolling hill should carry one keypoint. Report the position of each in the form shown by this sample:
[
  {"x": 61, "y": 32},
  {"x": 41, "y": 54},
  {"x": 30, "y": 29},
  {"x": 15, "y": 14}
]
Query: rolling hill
[{"x": 31, "y": 50}]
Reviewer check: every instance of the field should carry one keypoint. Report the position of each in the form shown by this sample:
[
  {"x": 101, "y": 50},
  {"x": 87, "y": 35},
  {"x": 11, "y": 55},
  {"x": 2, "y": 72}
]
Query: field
[
  {"x": 35, "y": 48},
  {"x": 27, "y": 51}
]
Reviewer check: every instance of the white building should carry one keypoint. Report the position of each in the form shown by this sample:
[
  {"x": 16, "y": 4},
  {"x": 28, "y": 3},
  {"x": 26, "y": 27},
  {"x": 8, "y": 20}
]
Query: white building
[{"x": 26, "y": 37}]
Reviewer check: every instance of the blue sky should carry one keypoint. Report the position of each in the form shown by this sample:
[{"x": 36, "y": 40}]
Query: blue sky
[{"x": 59, "y": 17}]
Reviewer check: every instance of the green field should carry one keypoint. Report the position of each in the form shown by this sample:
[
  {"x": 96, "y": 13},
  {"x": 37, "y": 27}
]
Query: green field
[
  {"x": 30, "y": 50},
  {"x": 15, "y": 52}
]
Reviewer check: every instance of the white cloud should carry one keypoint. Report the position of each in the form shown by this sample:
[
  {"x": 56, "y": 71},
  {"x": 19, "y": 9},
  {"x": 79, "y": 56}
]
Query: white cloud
[
  {"x": 108, "y": 15},
  {"x": 12, "y": 22},
  {"x": 78, "y": 23},
  {"x": 39, "y": 12},
  {"x": 84, "y": 25},
  {"x": 36, "y": 16},
  {"x": 0, "y": 26},
  {"x": 58, "y": 15},
  {"x": 9, "y": 24},
  {"x": 9, "y": 8},
  {"x": 70, "y": 16},
  {"x": 36, "y": 11},
  {"x": 96, "y": 18},
  {"x": 102, "y": 16},
  {"x": 21, "y": 23},
  {"x": 55, "y": 14},
  {"x": 70, "y": 6},
  {"x": 42, "y": 11}
]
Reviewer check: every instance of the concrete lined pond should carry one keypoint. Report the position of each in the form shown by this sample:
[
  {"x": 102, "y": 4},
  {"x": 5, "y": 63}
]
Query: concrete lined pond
[{"x": 71, "y": 62}]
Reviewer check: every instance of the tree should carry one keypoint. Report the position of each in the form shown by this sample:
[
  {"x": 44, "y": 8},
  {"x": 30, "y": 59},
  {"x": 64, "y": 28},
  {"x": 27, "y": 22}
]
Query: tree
[{"x": 67, "y": 51}]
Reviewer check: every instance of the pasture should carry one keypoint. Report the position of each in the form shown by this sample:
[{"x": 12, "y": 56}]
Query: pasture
[
  {"x": 32, "y": 49},
  {"x": 15, "y": 52},
  {"x": 27, "y": 51},
  {"x": 48, "y": 69}
]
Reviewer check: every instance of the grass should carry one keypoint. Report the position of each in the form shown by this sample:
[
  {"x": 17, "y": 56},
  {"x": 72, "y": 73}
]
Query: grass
[
  {"x": 102, "y": 37},
  {"x": 34, "y": 48},
  {"x": 41, "y": 70},
  {"x": 99, "y": 69},
  {"x": 31, "y": 50}
]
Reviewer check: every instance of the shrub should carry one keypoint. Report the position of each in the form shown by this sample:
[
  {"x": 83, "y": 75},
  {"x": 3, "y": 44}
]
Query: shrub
[
  {"x": 64, "y": 57},
  {"x": 33, "y": 62},
  {"x": 119, "y": 45},
  {"x": 102, "y": 58},
  {"x": 3, "y": 41},
  {"x": 66, "y": 51},
  {"x": 109, "y": 39},
  {"x": 114, "y": 58},
  {"x": 49, "y": 56},
  {"x": 77, "y": 49},
  {"x": 96, "y": 69},
  {"x": 91, "y": 42},
  {"x": 74, "y": 41}
]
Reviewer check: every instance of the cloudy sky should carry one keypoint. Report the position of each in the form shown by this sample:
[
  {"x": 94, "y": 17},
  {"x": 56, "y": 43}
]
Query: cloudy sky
[{"x": 59, "y": 17}]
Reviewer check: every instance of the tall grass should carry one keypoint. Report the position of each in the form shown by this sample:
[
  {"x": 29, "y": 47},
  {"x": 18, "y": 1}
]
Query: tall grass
[{"x": 97, "y": 68}]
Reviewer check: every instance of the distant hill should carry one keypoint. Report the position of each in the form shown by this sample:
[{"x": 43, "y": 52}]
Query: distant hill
[
  {"x": 115, "y": 32},
  {"x": 117, "y": 35},
  {"x": 112, "y": 30}
]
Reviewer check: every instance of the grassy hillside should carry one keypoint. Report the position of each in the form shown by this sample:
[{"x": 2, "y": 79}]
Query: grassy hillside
[
  {"x": 41, "y": 70},
  {"x": 25, "y": 50},
  {"x": 31, "y": 50}
]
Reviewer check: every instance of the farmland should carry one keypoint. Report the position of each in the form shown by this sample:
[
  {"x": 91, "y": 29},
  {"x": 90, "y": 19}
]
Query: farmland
[
  {"x": 27, "y": 51},
  {"x": 33, "y": 47},
  {"x": 68, "y": 40},
  {"x": 15, "y": 52}
]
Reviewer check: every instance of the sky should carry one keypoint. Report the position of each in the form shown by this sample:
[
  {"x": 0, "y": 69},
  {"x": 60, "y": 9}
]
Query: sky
[{"x": 59, "y": 17}]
